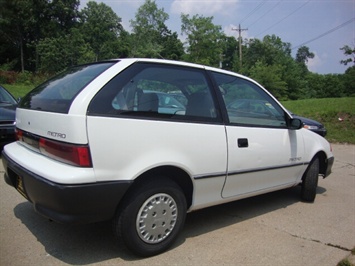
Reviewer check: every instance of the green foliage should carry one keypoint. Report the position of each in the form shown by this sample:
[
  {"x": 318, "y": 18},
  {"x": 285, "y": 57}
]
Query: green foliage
[
  {"x": 271, "y": 78},
  {"x": 345, "y": 262},
  {"x": 349, "y": 81},
  {"x": 67, "y": 50},
  {"x": 47, "y": 36},
  {"x": 349, "y": 52},
  {"x": 337, "y": 114},
  {"x": 24, "y": 23},
  {"x": 303, "y": 54},
  {"x": 204, "y": 40},
  {"x": 100, "y": 26},
  {"x": 230, "y": 59},
  {"x": 151, "y": 38},
  {"x": 323, "y": 86}
]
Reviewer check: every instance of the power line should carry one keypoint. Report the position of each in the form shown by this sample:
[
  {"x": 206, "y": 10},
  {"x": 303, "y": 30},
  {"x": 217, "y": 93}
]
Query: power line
[
  {"x": 325, "y": 33},
  {"x": 254, "y": 10},
  {"x": 284, "y": 17},
  {"x": 267, "y": 12}
]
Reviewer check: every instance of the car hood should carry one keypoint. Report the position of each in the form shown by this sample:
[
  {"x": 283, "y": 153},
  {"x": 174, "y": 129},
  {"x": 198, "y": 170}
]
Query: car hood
[
  {"x": 307, "y": 120},
  {"x": 7, "y": 111}
]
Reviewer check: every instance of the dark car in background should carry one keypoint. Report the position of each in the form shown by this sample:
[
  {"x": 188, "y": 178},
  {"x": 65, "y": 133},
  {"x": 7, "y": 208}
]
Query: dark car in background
[
  {"x": 312, "y": 125},
  {"x": 8, "y": 106}
]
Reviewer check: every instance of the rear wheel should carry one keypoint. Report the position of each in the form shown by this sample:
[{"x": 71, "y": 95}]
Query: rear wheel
[
  {"x": 151, "y": 217},
  {"x": 310, "y": 181}
]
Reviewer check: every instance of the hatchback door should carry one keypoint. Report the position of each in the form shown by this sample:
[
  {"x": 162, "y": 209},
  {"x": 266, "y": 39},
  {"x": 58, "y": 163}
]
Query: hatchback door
[{"x": 263, "y": 153}]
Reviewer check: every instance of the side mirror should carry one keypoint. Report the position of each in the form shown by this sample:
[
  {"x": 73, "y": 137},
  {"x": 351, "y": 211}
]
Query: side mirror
[{"x": 295, "y": 123}]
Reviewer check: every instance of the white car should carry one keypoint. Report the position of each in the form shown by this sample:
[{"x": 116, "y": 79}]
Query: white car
[{"x": 94, "y": 145}]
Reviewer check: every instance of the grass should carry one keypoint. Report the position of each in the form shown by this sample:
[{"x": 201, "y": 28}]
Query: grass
[
  {"x": 349, "y": 260},
  {"x": 19, "y": 90},
  {"x": 337, "y": 114}
]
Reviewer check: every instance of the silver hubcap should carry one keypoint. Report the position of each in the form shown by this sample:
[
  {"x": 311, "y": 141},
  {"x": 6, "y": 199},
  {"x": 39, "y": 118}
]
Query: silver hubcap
[{"x": 156, "y": 218}]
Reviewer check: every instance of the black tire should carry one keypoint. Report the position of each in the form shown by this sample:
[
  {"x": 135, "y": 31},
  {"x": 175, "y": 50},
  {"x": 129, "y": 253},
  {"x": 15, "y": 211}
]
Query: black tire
[
  {"x": 151, "y": 217},
  {"x": 310, "y": 181}
]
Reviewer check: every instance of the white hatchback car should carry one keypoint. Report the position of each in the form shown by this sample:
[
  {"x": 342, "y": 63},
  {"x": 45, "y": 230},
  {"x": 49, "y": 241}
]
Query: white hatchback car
[{"x": 144, "y": 141}]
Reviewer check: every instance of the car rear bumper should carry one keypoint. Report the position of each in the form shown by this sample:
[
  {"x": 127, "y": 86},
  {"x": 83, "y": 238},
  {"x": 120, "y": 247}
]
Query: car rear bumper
[{"x": 65, "y": 203}]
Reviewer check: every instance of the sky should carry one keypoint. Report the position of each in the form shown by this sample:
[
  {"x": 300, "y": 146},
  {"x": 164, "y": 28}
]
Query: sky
[{"x": 324, "y": 26}]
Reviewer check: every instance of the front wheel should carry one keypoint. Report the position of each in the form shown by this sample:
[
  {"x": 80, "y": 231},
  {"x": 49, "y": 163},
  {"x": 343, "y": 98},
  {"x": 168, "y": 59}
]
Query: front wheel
[
  {"x": 151, "y": 217},
  {"x": 310, "y": 181}
]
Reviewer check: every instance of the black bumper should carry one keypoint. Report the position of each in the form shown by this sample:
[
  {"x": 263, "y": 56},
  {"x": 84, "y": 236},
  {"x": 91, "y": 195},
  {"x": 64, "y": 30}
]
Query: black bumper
[
  {"x": 73, "y": 204},
  {"x": 330, "y": 163}
]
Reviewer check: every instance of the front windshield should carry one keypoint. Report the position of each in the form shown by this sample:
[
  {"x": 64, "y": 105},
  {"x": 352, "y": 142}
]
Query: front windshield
[{"x": 6, "y": 98}]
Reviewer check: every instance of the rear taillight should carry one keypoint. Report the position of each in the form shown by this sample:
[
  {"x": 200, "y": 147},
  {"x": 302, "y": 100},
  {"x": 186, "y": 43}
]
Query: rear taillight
[
  {"x": 19, "y": 134},
  {"x": 77, "y": 155}
]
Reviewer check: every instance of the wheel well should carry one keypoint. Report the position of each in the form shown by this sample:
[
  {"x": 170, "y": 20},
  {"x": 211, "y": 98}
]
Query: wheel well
[
  {"x": 179, "y": 176},
  {"x": 322, "y": 162}
]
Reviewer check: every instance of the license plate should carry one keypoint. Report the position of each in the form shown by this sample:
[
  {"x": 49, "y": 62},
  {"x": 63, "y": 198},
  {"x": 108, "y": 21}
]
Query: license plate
[{"x": 20, "y": 187}]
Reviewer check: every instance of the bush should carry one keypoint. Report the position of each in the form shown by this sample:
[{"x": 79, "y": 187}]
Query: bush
[{"x": 8, "y": 77}]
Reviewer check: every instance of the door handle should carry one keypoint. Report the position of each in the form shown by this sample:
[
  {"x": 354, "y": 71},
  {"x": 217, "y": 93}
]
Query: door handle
[{"x": 243, "y": 143}]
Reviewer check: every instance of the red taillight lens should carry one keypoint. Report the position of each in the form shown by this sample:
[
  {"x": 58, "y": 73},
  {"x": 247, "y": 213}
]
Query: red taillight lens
[
  {"x": 19, "y": 134},
  {"x": 66, "y": 153},
  {"x": 77, "y": 155}
]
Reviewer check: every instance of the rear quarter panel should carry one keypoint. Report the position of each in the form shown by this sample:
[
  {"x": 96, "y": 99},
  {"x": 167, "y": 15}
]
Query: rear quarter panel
[{"x": 123, "y": 149}]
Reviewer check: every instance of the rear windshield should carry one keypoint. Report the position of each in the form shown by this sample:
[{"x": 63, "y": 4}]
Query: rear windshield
[{"x": 57, "y": 94}]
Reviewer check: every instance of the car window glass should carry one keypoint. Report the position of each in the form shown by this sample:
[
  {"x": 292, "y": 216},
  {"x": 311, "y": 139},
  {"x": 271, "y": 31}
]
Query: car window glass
[
  {"x": 57, "y": 94},
  {"x": 6, "y": 97},
  {"x": 157, "y": 91},
  {"x": 247, "y": 103}
]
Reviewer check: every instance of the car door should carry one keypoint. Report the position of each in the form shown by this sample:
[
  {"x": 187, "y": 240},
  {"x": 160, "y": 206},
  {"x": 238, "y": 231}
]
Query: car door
[{"x": 263, "y": 153}]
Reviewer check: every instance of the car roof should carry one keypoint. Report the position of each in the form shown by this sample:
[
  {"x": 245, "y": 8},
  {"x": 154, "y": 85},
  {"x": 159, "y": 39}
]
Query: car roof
[{"x": 182, "y": 63}]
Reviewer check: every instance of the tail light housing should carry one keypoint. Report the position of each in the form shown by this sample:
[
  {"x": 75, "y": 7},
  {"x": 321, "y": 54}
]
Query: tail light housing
[{"x": 77, "y": 155}]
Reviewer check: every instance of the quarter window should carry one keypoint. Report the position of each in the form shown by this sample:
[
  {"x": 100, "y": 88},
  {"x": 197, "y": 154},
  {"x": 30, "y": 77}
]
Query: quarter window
[
  {"x": 248, "y": 104},
  {"x": 157, "y": 91}
]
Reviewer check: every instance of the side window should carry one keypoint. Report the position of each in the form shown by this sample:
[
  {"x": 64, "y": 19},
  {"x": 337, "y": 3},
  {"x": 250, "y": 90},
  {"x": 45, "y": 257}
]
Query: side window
[
  {"x": 157, "y": 91},
  {"x": 248, "y": 104}
]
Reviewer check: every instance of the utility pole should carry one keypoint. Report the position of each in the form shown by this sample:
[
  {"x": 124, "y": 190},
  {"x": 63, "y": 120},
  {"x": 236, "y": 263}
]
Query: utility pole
[{"x": 239, "y": 29}]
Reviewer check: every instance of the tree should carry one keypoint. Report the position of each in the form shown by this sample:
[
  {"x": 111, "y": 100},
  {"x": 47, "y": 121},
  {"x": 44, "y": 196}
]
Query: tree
[
  {"x": 100, "y": 26},
  {"x": 18, "y": 29},
  {"x": 271, "y": 50},
  {"x": 204, "y": 40},
  {"x": 151, "y": 37},
  {"x": 323, "y": 86},
  {"x": 230, "y": 58},
  {"x": 276, "y": 51},
  {"x": 349, "y": 81},
  {"x": 348, "y": 51},
  {"x": 24, "y": 23},
  {"x": 56, "y": 54},
  {"x": 270, "y": 76},
  {"x": 302, "y": 56},
  {"x": 64, "y": 15}
]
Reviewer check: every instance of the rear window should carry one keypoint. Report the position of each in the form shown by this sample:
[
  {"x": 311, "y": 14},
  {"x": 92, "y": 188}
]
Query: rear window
[{"x": 57, "y": 94}]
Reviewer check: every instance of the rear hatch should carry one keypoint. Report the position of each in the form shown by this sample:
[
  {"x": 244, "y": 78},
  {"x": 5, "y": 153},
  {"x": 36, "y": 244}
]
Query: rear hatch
[{"x": 45, "y": 123}]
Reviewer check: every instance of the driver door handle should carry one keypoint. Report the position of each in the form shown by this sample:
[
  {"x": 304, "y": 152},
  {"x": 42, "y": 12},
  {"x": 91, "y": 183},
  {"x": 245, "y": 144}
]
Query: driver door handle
[{"x": 243, "y": 143}]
